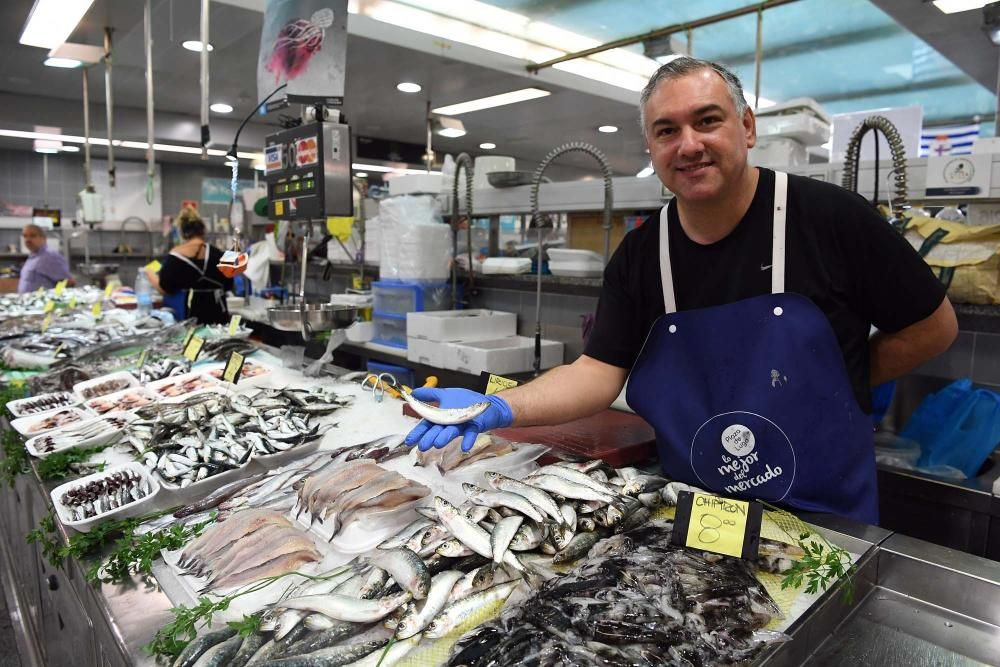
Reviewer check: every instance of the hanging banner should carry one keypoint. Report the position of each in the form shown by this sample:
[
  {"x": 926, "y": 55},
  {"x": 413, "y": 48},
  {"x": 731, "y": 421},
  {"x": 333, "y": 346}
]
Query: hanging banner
[{"x": 304, "y": 44}]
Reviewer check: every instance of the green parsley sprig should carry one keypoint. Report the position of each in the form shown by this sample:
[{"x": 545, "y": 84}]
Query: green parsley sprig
[
  {"x": 15, "y": 457},
  {"x": 822, "y": 564},
  {"x": 60, "y": 465},
  {"x": 134, "y": 554}
]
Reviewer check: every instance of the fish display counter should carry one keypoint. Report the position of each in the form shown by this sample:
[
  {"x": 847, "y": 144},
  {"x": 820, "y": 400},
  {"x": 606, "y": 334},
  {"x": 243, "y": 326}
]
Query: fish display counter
[{"x": 281, "y": 520}]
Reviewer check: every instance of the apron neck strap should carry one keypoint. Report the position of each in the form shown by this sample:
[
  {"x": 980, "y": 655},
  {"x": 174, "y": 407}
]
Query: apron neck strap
[{"x": 777, "y": 245}]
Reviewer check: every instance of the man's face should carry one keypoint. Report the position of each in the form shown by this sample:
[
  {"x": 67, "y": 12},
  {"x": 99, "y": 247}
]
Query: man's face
[
  {"x": 697, "y": 143},
  {"x": 33, "y": 240}
]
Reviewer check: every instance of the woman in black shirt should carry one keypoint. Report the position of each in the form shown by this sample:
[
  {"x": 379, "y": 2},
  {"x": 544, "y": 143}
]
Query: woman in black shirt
[{"x": 191, "y": 269}]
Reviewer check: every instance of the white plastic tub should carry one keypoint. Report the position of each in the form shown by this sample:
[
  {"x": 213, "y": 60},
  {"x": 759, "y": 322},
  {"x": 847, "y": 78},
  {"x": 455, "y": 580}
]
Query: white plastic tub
[
  {"x": 18, "y": 408},
  {"x": 39, "y": 424},
  {"x": 33, "y": 445},
  {"x": 134, "y": 508},
  {"x": 461, "y": 325},
  {"x": 114, "y": 402},
  {"x": 174, "y": 387},
  {"x": 81, "y": 389},
  {"x": 515, "y": 354}
]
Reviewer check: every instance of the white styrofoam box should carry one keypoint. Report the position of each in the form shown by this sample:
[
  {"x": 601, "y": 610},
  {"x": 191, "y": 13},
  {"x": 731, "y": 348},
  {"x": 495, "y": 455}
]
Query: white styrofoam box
[
  {"x": 575, "y": 269},
  {"x": 574, "y": 255},
  {"x": 416, "y": 184},
  {"x": 505, "y": 265},
  {"x": 515, "y": 354},
  {"x": 461, "y": 325},
  {"x": 423, "y": 351}
]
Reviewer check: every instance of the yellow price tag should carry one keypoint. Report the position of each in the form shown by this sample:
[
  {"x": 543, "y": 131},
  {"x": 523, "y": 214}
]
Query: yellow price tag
[
  {"x": 234, "y": 366},
  {"x": 50, "y": 305},
  {"x": 154, "y": 266},
  {"x": 142, "y": 358},
  {"x": 46, "y": 323},
  {"x": 40, "y": 291},
  {"x": 720, "y": 525},
  {"x": 72, "y": 302},
  {"x": 193, "y": 348},
  {"x": 96, "y": 310},
  {"x": 60, "y": 287},
  {"x": 187, "y": 338},
  {"x": 108, "y": 289},
  {"x": 58, "y": 349},
  {"x": 190, "y": 299},
  {"x": 340, "y": 227},
  {"x": 495, "y": 383},
  {"x": 234, "y": 324}
]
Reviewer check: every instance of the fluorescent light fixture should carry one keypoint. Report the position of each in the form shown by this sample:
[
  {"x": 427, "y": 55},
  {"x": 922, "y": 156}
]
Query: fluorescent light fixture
[
  {"x": 51, "y": 22},
  {"x": 512, "y": 97},
  {"x": 381, "y": 168},
  {"x": 361, "y": 174},
  {"x": 451, "y": 132},
  {"x": 70, "y": 149},
  {"x": 195, "y": 45},
  {"x": 140, "y": 145},
  {"x": 487, "y": 145},
  {"x": 65, "y": 63},
  {"x": 608, "y": 129},
  {"x": 955, "y": 6},
  {"x": 764, "y": 102},
  {"x": 221, "y": 107},
  {"x": 47, "y": 150},
  {"x": 645, "y": 171},
  {"x": 407, "y": 87},
  {"x": 447, "y": 127}
]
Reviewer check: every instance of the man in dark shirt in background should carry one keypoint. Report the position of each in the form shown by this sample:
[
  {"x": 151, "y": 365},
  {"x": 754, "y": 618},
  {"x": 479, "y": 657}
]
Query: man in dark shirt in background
[{"x": 740, "y": 316}]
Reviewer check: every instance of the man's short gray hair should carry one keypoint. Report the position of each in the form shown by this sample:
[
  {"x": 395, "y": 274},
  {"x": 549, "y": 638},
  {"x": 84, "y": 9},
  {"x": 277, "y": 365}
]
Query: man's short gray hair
[
  {"x": 36, "y": 228},
  {"x": 683, "y": 66}
]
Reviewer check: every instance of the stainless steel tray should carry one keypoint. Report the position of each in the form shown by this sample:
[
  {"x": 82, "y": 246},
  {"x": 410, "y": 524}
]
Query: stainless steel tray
[{"x": 319, "y": 317}]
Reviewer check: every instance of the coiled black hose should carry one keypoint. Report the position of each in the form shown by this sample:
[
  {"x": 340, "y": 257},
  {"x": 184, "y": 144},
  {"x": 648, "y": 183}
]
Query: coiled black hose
[
  {"x": 463, "y": 161},
  {"x": 897, "y": 200}
]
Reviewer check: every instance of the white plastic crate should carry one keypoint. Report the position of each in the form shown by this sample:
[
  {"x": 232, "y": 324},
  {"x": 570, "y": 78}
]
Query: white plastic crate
[
  {"x": 430, "y": 352},
  {"x": 461, "y": 325},
  {"x": 515, "y": 354}
]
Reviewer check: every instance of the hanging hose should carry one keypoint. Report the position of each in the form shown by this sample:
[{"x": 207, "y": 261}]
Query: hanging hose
[
  {"x": 147, "y": 21},
  {"x": 108, "y": 104},
  {"x": 539, "y": 219},
  {"x": 205, "y": 134},
  {"x": 463, "y": 161},
  {"x": 897, "y": 199}
]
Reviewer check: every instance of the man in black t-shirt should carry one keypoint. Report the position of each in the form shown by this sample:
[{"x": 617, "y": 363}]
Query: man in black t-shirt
[{"x": 741, "y": 317}]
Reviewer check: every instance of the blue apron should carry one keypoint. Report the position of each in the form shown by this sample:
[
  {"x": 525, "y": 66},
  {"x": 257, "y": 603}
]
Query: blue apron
[{"x": 752, "y": 399}]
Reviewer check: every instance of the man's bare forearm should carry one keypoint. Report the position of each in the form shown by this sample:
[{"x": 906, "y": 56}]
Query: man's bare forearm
[
  {"x": 894, "y": 355},
  {"x": 568, "y": 392}
]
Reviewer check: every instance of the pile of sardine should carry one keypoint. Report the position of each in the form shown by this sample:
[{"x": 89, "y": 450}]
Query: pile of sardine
[
  {"x": 105, "y": 494},
  {"x": 94, "y": 432},
  {"x": 121, "y": 402},
  {"x": 636, "y": 600},
  {"x": 189, "y": 385},
  {"x": 152, "y": 371},
  {"x": 252, "y": 545},
  {"x": 211, "y": 433},
  {"x": 104, "y": 388},
  {"x": 44, "y": 403},
  {"x": 354, "y": 490}
]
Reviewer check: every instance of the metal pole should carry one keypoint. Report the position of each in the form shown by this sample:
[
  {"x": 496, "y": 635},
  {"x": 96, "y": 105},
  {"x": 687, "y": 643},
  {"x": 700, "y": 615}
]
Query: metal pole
[
  {"x": 205, "y": 137},
  {"x": 996, "y": 115},
  {"x": 690, "y": 39},
  {"x": 661, "y": 32},
  {"x": 109, "y": 105},
  {"x": 86, "y": 130},
  {"x": 758, "y": 56},
  {"x": 429, "y": 153},
  {"x": 148, "y": 38},
  {"x": 45, "y": 180}
]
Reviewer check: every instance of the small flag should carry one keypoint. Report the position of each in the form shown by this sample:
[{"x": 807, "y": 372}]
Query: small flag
[{"x": 949, "y": 140}]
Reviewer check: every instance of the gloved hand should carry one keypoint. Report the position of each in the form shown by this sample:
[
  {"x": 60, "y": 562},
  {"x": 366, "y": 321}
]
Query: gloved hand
[{"x": 498, "y": 415}]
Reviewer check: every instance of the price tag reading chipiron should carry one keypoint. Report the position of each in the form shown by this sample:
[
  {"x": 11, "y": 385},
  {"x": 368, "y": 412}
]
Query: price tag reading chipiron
[
  {"x": 50, "y": 305},
  {"x": 234, "y": 324},
  {"x": 234, "y": 368},
  {"x": 720, "y": 525},
  {"x": 60, "y": 287},
  {"x": 193, "y": 348}
]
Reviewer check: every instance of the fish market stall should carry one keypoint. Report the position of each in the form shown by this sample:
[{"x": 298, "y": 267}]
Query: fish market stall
[{"x": 282, "y": 520}]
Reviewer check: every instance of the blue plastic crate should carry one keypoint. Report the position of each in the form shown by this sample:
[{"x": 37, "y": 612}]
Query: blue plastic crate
[
  {"x": 398, "y": 298},
  {"x": 402, "y": 374},
  {"x": 390, "y": 329}
]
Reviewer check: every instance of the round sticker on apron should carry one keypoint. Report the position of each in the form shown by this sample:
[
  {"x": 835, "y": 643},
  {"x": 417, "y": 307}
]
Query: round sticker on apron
[{"x": 743, "y": 453}]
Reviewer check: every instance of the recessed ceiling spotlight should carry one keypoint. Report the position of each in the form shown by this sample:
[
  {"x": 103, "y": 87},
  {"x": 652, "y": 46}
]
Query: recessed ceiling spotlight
[
  {"x": 221, "y": 107},
  {"x": 361, "y": 174},
  {"x": 487, "y": 145},
  {"x": 66, "y": 63},
  {"x": 607, "y": 129},
  {"x": 407, "y": 87},
  {"x": 70, "y": 149},
  {"x": 195, "y": 45}
]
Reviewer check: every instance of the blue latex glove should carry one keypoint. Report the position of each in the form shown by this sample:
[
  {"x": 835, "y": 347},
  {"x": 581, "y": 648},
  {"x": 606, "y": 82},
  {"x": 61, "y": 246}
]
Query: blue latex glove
[{"x": 498, "y": 415}]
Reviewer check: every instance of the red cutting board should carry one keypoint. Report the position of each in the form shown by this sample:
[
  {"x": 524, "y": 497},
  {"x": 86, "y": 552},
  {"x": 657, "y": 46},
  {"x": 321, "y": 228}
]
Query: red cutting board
[{"x": 618, "y": 438}]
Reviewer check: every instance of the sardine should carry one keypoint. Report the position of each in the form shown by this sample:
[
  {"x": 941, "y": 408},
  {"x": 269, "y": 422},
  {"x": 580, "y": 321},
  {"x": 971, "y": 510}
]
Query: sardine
[
  {"x": 348, "y": 608},
  {"x": 502, "y": 535},
  {"x": 503, "y": 499},
  {"x": 537, "y": 497},
  {"x": 453, "y": 615},
  {"x": 406, "y": 568},
  {"x": 577, "y": 548},
  {"x": 437, "y": 598}
]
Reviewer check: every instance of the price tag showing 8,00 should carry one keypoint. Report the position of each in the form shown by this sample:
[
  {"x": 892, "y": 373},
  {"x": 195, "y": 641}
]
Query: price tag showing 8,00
[{"x": 720, "y": 525}]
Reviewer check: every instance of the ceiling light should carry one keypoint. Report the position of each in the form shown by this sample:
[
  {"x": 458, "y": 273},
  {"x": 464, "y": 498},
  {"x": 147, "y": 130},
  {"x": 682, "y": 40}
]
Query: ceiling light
[
  {"x": 406, "y": 87},
  {"x": 608, "y": 129},
  {"x": 195, "y": 45},
  {"x": 140, "y": 145},
  {"x": 512, "y": 97},
  {"x": 955, "y": 6},
  {"x": 487, "y": 145},
  {"x": 646, "y": 171},
  {"x": 47, "y": 150},
  {"x": 361, "y": 174},
  {"x": 221, "y": 107},
  {"x": 51, "y": 22},
  {"x": 70, "y": 149},
  {"x": 447, "y": 127},
  {"x": 67, "y": 63}
]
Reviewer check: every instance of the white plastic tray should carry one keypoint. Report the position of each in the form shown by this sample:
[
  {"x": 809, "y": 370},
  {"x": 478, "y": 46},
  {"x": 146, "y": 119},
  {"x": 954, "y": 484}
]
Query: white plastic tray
[
  {"x": 32, "y": 444},
  {"x": 576, "y": 269},
  {"x": 16, "y": 410},
  {"x": 134, "y": 508},
  {"x": 29, "y": 426},
  {"x": 97, "y": 405},
  {"x": 259, "y": 371},
  {"x": 80, "y": 387},
  {"x": 161, "y": 387}
]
